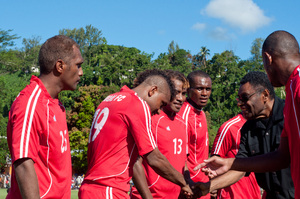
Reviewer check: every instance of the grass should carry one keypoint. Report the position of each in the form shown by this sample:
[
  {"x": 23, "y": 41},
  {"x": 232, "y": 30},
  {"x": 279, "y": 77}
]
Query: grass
[{"x": 74, "y": 194}]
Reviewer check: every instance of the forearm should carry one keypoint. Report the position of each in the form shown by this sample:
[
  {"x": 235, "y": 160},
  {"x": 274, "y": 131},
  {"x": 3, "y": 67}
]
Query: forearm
[
  {"x": 27, "y": 179},
  {"x": 272, "y": 161},
  {"x": 139, "y": 179},
  {"x": 161, "y": 166},
  {"x": 260, "y": 164},
  {"x": 225, "y": 180}
]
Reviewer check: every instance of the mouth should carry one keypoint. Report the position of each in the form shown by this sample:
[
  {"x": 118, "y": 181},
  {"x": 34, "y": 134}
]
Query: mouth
[{"x": 203, "y": 100}]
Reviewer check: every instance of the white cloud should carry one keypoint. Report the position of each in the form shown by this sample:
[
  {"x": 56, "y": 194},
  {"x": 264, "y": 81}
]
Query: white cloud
[
  {"x": 199, "y": 26},
  {"x": 220, "y": 34},
  {"x": 244, "y": 14}
]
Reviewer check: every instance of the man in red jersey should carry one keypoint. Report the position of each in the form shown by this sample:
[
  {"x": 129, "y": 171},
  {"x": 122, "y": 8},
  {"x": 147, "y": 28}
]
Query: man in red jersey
[
  {"x": 226, "y": 145},
  {"x": 261, "y": 134},
  {"x": 196, "y": 125},
  {"x": 37, "y": 132},
  {"x": 169, "y": 133},
  {"x": 121, "y": 131}
]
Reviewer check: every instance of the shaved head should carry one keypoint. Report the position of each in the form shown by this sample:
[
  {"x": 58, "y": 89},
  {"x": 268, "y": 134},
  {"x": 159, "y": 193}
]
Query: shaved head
[{"x": 281, "y": 43}]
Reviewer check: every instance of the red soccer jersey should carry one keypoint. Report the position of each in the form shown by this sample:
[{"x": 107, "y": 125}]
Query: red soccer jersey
[
  {"x": 170, "y": 137},
  {"x": 226, "y": 145},
  {"x": 291, "y": 127},
  {"x": 198, "y": 145},
  {"x": 37, "y": 129},
  {"x": 120, "y": 130}
]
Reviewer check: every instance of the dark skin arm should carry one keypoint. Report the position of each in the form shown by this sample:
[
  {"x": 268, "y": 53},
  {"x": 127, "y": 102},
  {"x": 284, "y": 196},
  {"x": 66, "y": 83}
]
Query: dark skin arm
[
  {"x": 27, "y": 178},
  {"x": 139, "y": 179},
  {"x": 272, "y": 161},
  {"x": 159, "y": 163}
]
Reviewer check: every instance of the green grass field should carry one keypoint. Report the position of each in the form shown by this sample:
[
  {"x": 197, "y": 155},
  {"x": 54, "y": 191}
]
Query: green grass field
[{"x": 3, "y": 194}]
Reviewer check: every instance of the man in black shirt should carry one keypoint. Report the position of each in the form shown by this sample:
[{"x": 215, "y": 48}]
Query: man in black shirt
[{"x": 259, "y": 135}]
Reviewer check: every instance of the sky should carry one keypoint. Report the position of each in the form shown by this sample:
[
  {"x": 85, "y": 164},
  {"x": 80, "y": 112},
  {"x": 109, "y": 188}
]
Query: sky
[{"x": 151, "y": 26}]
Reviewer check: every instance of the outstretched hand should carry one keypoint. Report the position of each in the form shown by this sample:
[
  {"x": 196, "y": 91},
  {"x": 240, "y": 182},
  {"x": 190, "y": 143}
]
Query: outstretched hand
[{"x": 215, "y": 166}]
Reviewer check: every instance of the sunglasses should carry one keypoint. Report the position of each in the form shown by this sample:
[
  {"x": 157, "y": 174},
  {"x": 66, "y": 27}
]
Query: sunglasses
[{"x": 244, "y": 98}]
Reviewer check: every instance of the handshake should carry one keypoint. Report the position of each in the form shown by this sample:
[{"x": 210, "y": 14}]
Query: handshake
[
  {"x": 195, "y": 189},
  {"x": 213, "y": 167}
]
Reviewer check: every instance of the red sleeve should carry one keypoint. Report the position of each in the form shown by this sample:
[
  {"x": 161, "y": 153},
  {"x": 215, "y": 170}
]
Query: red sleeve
[
  {"x": 139, "y": 118},
  {"x": 223, "y": 141},
  {"x": 22, "y": 128}
]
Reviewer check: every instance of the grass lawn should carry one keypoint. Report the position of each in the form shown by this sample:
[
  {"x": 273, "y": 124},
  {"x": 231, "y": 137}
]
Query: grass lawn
[{"x": 3, "y": 194}]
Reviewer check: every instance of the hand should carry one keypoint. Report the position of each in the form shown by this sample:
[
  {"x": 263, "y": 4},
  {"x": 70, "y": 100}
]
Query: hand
[
  {"x": 200, "y": 189},
  {"x": 214, "y": 194},
  {"x": 215, "y": 166},
  {"x": 186, "y": 191}
]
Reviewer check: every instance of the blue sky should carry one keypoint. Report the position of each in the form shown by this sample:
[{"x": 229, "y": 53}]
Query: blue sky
[{"x": 150, "y": 26}]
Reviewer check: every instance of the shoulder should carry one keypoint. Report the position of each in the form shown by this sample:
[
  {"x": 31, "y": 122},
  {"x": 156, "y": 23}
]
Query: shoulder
[{"x": 235, "y": 121}]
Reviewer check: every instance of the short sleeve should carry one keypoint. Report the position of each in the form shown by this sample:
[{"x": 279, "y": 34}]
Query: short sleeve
[
  {"x": 243, "y": 148},
  {"x": 22, "y": 131},
  {"x": 139, "y": 119},
  {"x": 223, "y": 142}
]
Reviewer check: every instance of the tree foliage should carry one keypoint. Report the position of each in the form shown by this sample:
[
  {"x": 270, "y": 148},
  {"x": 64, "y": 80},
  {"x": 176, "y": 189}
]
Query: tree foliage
[{"x": 107, "y": 68}]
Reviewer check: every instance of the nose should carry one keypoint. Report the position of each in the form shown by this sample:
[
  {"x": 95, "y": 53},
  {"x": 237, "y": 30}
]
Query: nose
[
  {"x": 80, "y": 72},
  {"x": 180, "y": 97}
]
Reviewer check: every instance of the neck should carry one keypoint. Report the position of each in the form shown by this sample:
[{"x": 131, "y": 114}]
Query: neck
[
  {"x": 194, "y": 104},
  {"x": 51, "y": 84},
  {"x": 290, "y": 65},
  {"x": 170, "y": 113}
]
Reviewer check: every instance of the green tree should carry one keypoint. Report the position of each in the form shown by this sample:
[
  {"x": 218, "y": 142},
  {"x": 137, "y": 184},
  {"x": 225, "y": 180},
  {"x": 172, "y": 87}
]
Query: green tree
[
  {"x": 9, "y": 58},
  {"x": 30, "y": 53},
  {"x": 80, "y": 110},
  {"x": 200, "y": 59},
  {"x": 88, "y": 39},
  {"x": 7, "y": 39},
  {"x": 225, "y": 72}
]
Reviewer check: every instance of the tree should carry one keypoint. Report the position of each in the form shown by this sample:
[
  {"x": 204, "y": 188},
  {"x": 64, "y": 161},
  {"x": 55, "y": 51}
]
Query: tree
[
  {"x": 9, "y": 59},
  {"x": 255, "y": 63},
  {"x": 226, "y": 73},
  {"x": 80, "y": 106},
  {"x": 7, "y": 39},
  {"x": 88, "y": 39},
  {"x": 30, "y": 53},
  {"x": 200, "y": 59}
]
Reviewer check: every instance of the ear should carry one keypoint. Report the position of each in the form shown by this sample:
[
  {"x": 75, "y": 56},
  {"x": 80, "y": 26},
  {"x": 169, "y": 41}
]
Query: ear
[
  {"x": 266, "y": 95},
  {"x": 59, "y": 65},
  {"x": 152, "y": 91},
  {"x": 268, "y": 58}
]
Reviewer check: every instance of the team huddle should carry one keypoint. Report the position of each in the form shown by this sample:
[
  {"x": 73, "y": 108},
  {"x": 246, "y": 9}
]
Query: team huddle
[{"x": 156, "y": 133}]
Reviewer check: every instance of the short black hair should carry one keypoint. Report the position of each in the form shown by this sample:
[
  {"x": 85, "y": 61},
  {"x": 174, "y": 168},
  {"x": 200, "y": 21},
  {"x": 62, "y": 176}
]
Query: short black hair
[
  {"x": 146, "y": 75},
  {"x": 196, "y": 73},
  {"x": 57, "y": 47},
  {"x": 259, "y": 80}
]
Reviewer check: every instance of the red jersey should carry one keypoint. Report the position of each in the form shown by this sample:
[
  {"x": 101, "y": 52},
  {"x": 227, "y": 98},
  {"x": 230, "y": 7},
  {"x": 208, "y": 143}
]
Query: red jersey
[
  {"x": 226, "y": 145},
  {"x": 291, "y": 127},
  {"x": 37, "y": 129},
  {"x": 198, "y": 145},
  {"x": 121, "y": 130},
  {"x": 170, "y": 137}
]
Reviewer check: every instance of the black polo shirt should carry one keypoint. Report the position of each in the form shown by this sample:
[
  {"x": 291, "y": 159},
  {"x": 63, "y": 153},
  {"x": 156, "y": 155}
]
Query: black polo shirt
[{"x": 261, "y": 136}]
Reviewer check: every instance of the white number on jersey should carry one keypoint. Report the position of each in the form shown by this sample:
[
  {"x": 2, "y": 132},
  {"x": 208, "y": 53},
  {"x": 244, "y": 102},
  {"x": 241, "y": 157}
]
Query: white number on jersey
[
  {"x": 98, "y": 125},
  {"x": 63, "y": 141},
  {"x": 177, "y": 145}
]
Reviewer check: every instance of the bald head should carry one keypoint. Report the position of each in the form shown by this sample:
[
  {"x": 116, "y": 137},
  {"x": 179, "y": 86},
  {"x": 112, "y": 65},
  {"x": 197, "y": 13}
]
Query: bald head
[{"x": 280, "y": 44}]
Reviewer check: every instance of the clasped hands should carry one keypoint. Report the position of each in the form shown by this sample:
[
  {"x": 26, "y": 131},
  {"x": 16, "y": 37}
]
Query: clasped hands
[{"x": 212, "y": 167}]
